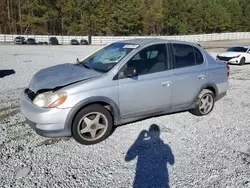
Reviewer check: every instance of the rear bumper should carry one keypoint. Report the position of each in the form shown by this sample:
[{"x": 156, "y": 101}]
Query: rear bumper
[
  {"x": 222, "y": 90},
  {"x": 46, "y": 122},
  {"x": 221, "y": 96},
  {"x": 222, "y": 87}
]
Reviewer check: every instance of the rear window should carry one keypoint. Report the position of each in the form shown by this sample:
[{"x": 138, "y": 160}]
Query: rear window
[
  {"x": 186, "y": 56},
  {"x": 198, "y": 56}
]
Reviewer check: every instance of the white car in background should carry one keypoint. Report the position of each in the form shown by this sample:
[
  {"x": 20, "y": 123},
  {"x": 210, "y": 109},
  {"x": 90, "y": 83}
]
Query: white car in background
[{"x": 235, "y": 55}]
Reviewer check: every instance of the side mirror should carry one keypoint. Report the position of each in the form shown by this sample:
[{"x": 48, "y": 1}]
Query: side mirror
[{"x": 130, "y": 72}]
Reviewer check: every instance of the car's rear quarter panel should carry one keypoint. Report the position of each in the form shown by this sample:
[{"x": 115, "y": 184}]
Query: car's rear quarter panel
[{"x": 217, "y": 74}]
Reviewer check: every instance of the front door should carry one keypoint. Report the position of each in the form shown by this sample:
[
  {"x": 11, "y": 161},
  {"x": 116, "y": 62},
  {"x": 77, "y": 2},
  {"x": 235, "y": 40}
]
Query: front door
[{"x": 149, "y": 92}]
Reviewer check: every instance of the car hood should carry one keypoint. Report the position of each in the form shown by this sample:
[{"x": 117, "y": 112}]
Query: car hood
[
  {"x": 230, "y": 54},
  {"x": 60, "y": 76}
]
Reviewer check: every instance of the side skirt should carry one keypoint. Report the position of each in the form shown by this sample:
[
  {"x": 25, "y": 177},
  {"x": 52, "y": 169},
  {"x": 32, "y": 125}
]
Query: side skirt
[{"x": 130, "y": 119}]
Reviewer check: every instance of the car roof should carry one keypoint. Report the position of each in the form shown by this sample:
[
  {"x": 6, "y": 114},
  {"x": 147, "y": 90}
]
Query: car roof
[{"x": 146, "y": 41}]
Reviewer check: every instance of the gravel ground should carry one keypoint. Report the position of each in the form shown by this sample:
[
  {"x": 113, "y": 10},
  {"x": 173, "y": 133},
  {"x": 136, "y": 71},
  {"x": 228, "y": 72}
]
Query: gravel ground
[{"x": 211, "y": 151}]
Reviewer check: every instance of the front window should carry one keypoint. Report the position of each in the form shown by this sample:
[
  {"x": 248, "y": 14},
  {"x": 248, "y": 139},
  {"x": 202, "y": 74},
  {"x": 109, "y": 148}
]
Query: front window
[
  {"x": 152, "y": 59},
  {"x": 237, "y": 49},
  {"x": 106, "y": 58}
]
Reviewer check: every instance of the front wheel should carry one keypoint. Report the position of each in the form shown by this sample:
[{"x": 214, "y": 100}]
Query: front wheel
[
  {"x": 92, "y": 125},
  {"x": 242, "y": 61},
  {"x": 205, "y": 103}
]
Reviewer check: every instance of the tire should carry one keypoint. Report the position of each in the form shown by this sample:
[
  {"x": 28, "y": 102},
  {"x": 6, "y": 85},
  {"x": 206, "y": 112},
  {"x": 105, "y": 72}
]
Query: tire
[
  {"x": 202, "y": 109},
  {"x": 242, "y": 61},
  {"x": 92, "y": 120}
]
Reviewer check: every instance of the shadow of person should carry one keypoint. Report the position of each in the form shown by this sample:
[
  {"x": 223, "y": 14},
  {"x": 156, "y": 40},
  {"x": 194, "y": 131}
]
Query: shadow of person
[
  {"x": 4, "y": 73},
  {"x": 153, "y": 156}
]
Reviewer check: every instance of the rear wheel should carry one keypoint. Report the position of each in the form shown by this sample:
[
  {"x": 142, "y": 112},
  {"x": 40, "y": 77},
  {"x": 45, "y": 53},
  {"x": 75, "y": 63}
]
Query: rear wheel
[
  {"x": 242, "y": 61},
  {"x": 205, "y": 103},
  {"x": 92, "y": 125}
]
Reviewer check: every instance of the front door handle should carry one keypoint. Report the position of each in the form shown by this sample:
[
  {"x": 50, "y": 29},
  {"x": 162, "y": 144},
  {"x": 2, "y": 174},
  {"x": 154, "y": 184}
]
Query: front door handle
[
  {"x": 166, "y": 83},
  {"x": 202, "y": 76}
]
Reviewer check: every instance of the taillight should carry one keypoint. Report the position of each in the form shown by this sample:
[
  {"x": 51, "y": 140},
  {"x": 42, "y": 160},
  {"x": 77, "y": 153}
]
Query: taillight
[{"x": 228, "y": 71}]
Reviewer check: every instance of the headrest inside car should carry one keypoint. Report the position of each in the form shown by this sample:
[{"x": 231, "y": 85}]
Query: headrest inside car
[{"x": 143, "y": 54}]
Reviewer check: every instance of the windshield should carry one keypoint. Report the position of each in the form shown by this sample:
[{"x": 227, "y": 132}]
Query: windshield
[
  {"x": 237, "y": 49},
  {"x": 106, "y": 58}
]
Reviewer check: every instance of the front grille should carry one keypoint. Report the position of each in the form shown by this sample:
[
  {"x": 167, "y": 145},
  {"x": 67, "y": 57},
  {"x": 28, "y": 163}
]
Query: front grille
[
  {"x": 224, "y": 58},
  {"x": 30, "y": 94}
]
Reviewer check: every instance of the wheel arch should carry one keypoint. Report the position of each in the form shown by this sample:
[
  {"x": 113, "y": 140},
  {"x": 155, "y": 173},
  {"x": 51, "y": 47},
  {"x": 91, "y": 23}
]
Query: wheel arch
[
  {"x": 210, "y": 86},
  {"x": 106, "y": 102}
]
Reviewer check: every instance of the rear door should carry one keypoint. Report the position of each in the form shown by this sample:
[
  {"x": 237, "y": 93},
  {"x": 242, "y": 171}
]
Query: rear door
[
  {"x": 150, "y": 91},
  {"x": 189, "y": 74}
]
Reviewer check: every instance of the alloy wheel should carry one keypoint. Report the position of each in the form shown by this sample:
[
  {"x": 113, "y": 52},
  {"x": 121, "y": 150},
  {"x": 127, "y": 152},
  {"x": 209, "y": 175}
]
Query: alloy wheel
[
  {"x": 92, "y": 126},
  {"x": 206, "y": 104}
]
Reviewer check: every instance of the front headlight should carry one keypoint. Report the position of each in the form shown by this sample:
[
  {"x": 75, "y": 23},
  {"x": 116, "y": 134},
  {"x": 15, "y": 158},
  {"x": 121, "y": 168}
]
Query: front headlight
[
  {"x": 236, "y": 56},
  {"x": 49, "y": 99}
]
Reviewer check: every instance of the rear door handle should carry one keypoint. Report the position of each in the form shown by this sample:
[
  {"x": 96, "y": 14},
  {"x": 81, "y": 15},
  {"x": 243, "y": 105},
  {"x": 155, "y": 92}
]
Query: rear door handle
[
  {"x": 166, "y": 83},
  {"x": 202, "y": 76}
]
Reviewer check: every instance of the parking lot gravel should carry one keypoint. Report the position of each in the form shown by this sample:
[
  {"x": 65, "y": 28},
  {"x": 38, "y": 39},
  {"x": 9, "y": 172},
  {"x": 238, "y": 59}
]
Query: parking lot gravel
[{"x": 210, "y": 151}]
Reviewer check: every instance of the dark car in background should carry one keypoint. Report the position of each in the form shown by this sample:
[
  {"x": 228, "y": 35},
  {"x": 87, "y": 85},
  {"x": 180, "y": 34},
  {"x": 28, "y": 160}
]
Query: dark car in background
[
  {"x": 74, "y": 42},
  {"x": 53, "y": 41},
  {"x": 31, "y": 41},
  {"x": 84, "y": 42},
  {"x": 19, "y": 40}
]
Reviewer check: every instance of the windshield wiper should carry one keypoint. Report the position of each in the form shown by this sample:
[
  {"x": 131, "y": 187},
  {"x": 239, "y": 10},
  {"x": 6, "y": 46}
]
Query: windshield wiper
[
  {"x": 86, "y": 66},
  {"x": 89, "y": 67},
  {"x": 83, "y": 64}
]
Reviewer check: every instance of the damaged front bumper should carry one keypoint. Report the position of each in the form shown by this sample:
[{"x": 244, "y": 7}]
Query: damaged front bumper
[{"x": 47, "y": 122}]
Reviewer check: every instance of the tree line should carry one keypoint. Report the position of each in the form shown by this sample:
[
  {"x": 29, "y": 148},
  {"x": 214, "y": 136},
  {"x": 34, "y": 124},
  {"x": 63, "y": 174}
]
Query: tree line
[{"x": 123, "y": 17}]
